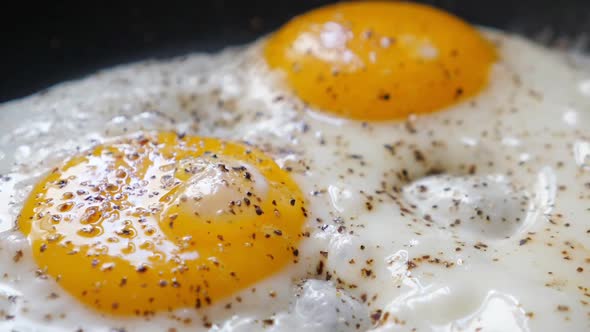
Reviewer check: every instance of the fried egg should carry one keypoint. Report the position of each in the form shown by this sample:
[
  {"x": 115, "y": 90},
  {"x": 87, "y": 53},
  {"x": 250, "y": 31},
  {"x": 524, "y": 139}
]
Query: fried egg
[{"x": 368, "y": 166}]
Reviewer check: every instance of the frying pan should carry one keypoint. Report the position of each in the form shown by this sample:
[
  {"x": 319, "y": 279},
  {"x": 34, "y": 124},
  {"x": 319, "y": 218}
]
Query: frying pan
[{"x": 44, "y": 44}]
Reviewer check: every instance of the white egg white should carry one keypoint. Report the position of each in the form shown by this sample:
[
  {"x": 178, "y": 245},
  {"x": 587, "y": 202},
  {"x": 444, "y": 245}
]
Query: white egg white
[{"x": 477, "y": 216}]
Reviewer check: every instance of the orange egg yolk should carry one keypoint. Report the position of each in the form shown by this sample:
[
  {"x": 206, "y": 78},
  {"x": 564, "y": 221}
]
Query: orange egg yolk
[
  {"x": 380, "y": 60},
  {"x": 161, "y": 222}
]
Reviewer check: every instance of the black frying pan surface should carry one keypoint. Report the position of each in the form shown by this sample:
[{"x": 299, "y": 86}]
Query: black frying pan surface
[{"x": 44, "y": 44}]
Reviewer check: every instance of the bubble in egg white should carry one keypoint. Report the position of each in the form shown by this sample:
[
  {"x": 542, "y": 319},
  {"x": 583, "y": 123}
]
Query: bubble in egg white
[
  {"x": 321, "y": 306},
  {"x": 343, "y": 199},
  {"x": 318, "y": 305},
  {"x": 478, "y": 205},
  {"x": 498, "y": 312}
]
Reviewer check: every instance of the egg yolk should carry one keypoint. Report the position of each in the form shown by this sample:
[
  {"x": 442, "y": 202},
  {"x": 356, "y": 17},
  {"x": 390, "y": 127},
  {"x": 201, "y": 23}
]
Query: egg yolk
[
  {"x": 380, "y": 60},
  {"x": 161, "y": 222}
]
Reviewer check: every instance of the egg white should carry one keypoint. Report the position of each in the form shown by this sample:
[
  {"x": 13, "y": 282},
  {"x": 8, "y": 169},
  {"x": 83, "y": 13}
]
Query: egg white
[{"x": 384, "y": 250}]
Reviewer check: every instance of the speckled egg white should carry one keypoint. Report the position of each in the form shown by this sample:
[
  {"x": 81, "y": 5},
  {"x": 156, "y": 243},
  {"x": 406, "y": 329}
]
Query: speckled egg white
[{"x": 473, "y": 217}]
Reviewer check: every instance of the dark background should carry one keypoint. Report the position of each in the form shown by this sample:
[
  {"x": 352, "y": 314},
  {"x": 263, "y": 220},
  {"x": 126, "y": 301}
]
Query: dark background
[{"x": 43, "y": 44}]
